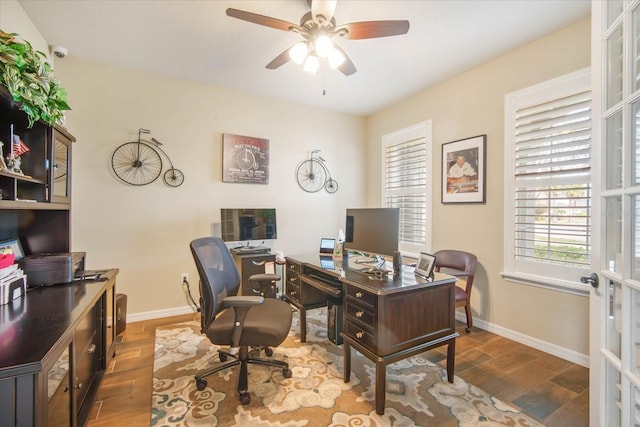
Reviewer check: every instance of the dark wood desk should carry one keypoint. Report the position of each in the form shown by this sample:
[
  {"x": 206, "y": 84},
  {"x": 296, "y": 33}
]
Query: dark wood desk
[
  {"x": 385, "y": 319},
  {"x": 55, "y": 344}
]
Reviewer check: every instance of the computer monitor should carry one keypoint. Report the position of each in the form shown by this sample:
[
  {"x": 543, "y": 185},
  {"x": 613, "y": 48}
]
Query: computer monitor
[
  {"x": 373, "y": 231},
  {"x": 248, "y": 224}
]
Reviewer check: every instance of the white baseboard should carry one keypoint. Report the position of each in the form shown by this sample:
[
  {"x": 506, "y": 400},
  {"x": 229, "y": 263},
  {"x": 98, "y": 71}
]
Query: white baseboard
[
  {"x": 156, "y": 314},
  {"x": 556, "y": 350}
]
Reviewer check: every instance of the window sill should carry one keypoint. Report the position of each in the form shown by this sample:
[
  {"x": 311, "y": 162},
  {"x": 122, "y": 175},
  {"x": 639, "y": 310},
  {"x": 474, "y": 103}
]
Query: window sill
[{"x": 579, "y": 289}]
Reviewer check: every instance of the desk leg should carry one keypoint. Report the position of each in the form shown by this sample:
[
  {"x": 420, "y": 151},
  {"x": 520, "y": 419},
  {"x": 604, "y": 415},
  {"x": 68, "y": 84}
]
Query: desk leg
[
  {"x": 347, "y": 361},
  {"x": 451, "y": 357},
  {"x": 303, "y": 324},
  {"x": 381, "y": 387}
]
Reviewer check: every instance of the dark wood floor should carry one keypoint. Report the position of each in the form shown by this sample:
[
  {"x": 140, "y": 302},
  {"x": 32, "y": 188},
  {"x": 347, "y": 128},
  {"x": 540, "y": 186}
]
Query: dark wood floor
[{"x": 548, "y": 388}]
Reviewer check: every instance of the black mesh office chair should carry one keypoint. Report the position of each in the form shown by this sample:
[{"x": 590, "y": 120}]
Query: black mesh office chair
[{"x": 241, "y": 322}]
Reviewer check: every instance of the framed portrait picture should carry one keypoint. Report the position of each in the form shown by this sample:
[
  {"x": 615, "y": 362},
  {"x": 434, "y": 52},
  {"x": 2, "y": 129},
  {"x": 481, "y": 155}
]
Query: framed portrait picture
[
  {"x": 426, "y": 263},
  {"x": 464, "y": 170},
  {"x": 245, "y": 159}
]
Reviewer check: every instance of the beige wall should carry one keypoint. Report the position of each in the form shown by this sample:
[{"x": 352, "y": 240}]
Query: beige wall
[
  {"x": 145, "y": 231},
  {"x": 470, "y": 104}
]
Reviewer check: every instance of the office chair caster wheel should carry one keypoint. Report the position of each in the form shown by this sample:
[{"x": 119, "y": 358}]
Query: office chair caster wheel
[
  {"x": 255, "y": 352},
  {"x": 201, "y": 384},
  {"x": 287, "y": 373},
  {"x": 245, "y": 398},
  {"x": 223, "y": 357},
  {"x": 268, "y": 351}
]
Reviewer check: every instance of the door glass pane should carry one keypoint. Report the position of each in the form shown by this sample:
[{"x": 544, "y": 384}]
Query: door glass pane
[
  {"x": 635, "y": 332},
  {"x": 614, "y": 69},
  {"x": 613, "y": 150},
  {"x": 613, "y": 331},
  {"x": 614, "y": 9},
  {"x": 613, "y": 242},
  {"x": 635, "y": 262},
  {"x": 635, "y": 145},
  {"x": 635, "y": 58},
  {"x": 612, "y": 396}
]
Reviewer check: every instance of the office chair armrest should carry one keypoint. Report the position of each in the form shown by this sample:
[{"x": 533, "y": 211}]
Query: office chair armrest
[
  {"x": 242, "y": 301},
  {"x": 264, "y": 278}
]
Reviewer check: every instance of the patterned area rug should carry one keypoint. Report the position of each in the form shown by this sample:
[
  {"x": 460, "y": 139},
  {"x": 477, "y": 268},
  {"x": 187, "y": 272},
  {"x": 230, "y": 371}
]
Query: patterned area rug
[{"x": 418, "y": 393}]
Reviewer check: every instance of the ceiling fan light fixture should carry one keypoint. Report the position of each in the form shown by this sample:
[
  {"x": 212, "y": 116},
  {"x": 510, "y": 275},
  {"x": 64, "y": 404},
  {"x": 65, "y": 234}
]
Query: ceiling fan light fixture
[
  {"x": 323, "y": 45},
  {"x": 311, "y": 64},
  {"x": 336, "y": 58},
  {"x": 298, "y": 53}
]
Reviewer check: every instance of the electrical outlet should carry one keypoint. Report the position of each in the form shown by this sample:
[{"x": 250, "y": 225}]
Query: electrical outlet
[{"x": 184, "y": 277}]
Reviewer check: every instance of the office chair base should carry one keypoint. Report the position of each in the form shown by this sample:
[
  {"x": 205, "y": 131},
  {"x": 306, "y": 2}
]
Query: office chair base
[{"x": 243, "y": 393}]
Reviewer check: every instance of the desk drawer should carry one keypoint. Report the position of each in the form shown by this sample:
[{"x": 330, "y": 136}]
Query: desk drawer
[
  {"x": 359, "y": 313},
  {"x": 293, "y": 267},
  {"x": 293, "y": 291},
  {"x": 361, "y": 296},
  {"x": 362, "y": 335}
]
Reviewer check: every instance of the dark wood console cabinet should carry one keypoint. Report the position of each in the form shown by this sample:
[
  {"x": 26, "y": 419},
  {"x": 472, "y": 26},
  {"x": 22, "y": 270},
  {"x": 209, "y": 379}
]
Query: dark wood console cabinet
[{"x": 56, "y": 344}]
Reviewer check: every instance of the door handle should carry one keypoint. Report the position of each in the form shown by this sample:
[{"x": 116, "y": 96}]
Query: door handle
[{"x": 592, "y": 280}]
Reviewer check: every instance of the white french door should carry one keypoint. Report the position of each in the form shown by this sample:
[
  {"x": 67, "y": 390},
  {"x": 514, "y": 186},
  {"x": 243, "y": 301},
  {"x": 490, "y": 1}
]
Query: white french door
[{"x": 615, "y": 303}]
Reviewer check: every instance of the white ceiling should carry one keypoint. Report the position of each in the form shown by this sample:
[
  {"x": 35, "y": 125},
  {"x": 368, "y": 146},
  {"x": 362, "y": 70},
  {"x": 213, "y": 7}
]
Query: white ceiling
[{"x": 196, "y": 40}]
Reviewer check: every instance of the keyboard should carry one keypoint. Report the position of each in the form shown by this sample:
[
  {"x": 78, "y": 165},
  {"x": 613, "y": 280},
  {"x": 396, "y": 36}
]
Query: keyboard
[{"x": 246, "y": 250}]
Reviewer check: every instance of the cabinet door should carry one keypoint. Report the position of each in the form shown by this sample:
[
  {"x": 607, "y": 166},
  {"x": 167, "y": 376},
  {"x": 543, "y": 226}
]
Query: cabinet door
[
  {"x": 58, "y": 382},
  {"x": 60, "y": 175}
]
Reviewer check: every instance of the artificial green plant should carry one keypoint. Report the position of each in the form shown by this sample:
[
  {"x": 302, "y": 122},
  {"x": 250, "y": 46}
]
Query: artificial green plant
[{"x": 30, "y": 81}]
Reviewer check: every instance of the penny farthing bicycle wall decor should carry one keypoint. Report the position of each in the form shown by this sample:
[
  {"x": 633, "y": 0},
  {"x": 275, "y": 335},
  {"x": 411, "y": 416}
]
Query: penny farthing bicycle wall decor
[
  {"x": 313, "y": 175},
  {"x": 140, "y": 162}
]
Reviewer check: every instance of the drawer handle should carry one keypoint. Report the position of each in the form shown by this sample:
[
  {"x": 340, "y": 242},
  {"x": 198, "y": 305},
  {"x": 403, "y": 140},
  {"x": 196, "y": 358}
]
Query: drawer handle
[
  {"x": 359, "y": 294},
  {"x": 258, "y": 263},
  {"x": 293, "y": 293},
  {"x": 91, "y": 349},
  {"x": 359, "y": 313},
  {"x": 292, "y": 267},
  {"x": 359, "y": 335},
  {"x": 78, "y": 387}
]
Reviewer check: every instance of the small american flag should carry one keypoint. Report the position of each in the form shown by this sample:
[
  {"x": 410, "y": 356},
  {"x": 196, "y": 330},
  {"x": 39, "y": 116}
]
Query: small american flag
[{"x": 19, "y": 147}]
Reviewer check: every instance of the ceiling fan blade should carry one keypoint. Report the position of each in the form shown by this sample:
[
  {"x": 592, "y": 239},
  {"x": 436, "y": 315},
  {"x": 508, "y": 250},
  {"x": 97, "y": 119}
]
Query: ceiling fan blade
[
  {"x": 347, "y": 67},
  {"x": 326, "y": 8},
  {"x": 374, "y": 29},
  {"x": 267, "y": 21},
  {"x": 279, "y": 60}
]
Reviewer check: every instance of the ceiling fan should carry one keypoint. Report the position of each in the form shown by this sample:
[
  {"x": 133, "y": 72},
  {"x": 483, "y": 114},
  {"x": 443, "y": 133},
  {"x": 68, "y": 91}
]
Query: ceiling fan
[{"x": 318, "y": 29}]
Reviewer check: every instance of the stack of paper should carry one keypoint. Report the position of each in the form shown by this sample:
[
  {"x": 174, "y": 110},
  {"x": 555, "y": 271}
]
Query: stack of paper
[{"x": 13, "y": 283}]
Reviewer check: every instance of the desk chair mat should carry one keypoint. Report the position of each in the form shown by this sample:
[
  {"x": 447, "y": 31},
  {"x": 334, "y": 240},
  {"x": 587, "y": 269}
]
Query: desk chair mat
[{"x": 266, "y": 324}]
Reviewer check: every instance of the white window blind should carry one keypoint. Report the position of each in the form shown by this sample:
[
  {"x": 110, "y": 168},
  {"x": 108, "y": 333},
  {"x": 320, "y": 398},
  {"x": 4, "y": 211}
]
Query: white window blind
[
  {"x": 548, "y": 179},
  {"x": 406, "y": 185},
  {"x": 552, "y": 173}
]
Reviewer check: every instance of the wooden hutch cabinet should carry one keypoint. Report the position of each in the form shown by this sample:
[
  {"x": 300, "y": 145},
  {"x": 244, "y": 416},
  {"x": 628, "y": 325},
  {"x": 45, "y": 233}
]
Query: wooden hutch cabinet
[{"x": 56, "y": 341}]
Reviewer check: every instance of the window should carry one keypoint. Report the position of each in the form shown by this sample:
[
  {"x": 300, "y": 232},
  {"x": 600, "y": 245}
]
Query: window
[
  {"x": 548, "y": 182},
  {"x": 406, "y": 184}
]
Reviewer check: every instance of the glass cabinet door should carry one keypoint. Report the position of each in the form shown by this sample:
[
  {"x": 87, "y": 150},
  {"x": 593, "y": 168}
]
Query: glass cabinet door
[
  {"x": 59, "y": 391},
  {"x": 61, "y": 163}
]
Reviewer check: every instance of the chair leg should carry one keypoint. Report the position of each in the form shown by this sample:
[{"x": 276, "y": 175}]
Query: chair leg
[{"x": 467, "y": 309}]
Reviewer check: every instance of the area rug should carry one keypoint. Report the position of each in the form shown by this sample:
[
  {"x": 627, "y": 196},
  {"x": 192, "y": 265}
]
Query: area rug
[{"x": 418, "y": 393}]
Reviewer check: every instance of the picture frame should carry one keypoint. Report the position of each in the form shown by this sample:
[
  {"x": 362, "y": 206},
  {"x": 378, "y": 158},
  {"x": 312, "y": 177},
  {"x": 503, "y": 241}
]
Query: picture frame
[
  {"x": 464, "y": 170},
  {"x": 424, "y": 266},
  {"x": 15, "y": 246},
  {"x": 245, "y": 159}
]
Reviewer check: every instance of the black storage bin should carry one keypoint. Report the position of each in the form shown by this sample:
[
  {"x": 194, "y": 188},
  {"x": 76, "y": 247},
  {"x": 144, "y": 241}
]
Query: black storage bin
[{"x": 121, "y": 313}]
